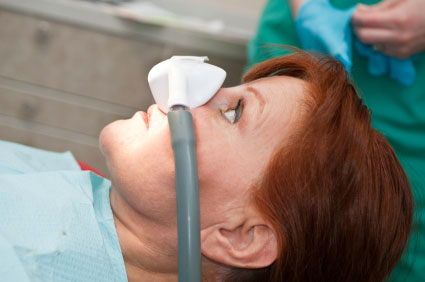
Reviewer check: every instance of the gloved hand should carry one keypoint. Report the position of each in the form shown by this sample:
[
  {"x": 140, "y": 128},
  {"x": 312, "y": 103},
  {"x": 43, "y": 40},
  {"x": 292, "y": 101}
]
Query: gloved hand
[
  {"x": 324, "y": 28},
  {"x": 395, "y": 27}
]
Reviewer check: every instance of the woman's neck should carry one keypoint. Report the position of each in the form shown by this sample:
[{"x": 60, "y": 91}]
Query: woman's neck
[{"x": 149, "y": 249}]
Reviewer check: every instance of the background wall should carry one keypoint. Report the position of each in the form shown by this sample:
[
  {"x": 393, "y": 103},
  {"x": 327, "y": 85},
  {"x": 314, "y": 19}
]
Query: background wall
[
  {"x": 69, "y": 67},
  {"x": 249, "y": 8}
]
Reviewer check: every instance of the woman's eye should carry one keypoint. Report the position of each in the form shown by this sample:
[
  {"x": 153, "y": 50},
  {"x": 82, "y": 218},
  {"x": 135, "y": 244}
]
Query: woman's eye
[{"x": 235, "y": 114}]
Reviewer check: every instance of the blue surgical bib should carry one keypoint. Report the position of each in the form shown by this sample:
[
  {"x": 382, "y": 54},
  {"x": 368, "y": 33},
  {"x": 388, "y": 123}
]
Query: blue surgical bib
[{"x": 56, "y": 222}]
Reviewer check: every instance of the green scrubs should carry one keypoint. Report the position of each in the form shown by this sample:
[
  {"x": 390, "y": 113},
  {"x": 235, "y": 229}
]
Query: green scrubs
[{"x": 397, "y": 111}]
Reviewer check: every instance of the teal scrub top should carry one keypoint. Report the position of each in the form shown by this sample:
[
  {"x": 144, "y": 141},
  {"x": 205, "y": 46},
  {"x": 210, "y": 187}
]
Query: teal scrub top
[
  {"x": 56, "y": 222},
  {"x": 397, "y": 111}
]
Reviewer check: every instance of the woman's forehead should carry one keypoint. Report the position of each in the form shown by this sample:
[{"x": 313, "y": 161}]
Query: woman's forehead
[
  {"x": 265, "y": 85},
  {"x": 279, "y": 89},
  {"x": 279, "y": 81}
]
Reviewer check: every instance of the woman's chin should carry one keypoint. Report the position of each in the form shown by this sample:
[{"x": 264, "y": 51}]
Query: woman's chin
[{"x": 107, "y": 138}]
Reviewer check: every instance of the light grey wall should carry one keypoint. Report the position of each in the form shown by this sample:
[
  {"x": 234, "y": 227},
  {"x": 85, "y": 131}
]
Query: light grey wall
[
  {"x": 249, "y": 8},
  {"x": 68, "y": 70}
]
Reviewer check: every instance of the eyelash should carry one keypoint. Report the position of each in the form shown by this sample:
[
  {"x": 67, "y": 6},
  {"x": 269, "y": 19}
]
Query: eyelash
[{"x": 234, "y": 115}]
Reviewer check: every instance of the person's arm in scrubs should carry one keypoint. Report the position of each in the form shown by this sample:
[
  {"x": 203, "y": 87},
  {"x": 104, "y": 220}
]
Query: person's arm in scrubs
[
  {"x": 295, "y": 6},
  {"x": 394, "y": 27}
]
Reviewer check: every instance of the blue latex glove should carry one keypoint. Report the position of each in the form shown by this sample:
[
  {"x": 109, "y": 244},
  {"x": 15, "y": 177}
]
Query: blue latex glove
[
  {"x": 402, "y": 71},
  {"x": 324, "y": 28}
]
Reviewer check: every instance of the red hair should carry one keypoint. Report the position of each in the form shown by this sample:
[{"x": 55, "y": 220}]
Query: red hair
[{"x": 335, "y": 193}]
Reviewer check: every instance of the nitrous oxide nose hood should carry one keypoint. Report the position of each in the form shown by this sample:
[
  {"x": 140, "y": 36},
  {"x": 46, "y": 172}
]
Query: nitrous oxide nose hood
[{"x": 184, "y": 81}]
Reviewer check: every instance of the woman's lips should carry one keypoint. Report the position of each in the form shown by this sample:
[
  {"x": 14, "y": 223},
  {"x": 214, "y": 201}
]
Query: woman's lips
[
  {"x": 149, "y": 111},
  {"x": 145, "y": 118},
  {"x": 154, "y": 114}
]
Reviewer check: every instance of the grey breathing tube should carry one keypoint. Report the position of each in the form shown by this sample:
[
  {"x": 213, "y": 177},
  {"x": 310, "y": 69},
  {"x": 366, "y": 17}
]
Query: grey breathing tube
[
  {"x": 181, "y": 83},
  {"x": 188, "y": 217}
]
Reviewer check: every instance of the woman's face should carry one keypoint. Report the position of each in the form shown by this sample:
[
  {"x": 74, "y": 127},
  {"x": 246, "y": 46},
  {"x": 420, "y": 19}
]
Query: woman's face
[{"x": 233, "y": 149}]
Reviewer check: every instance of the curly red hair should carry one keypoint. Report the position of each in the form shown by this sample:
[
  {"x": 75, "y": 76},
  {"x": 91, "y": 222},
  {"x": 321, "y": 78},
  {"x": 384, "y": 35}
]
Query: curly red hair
[{"x": 335, "y": 193}]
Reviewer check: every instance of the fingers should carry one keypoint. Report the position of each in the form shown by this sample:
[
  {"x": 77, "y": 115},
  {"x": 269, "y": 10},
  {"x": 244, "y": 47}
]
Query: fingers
[
  {"x": 379, "y": 15},
  {"x": 383, "y": 5},
  {"x": 395, "y": 51},
  {"x": 386, "y": 41},
  {"x": 374, "y": 18},
  {"x": 375, "y": 35}
]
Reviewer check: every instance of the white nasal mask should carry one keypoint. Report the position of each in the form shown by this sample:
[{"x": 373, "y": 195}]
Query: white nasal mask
[{"x": 184, "y": 81}]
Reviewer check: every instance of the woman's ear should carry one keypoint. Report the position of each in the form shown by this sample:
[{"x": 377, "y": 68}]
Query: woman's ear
[{"x": 243, "y": 241}]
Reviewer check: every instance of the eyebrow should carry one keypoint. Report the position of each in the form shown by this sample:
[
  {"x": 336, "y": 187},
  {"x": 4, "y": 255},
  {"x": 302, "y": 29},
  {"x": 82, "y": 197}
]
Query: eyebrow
[{"x": 259, "y": 98}]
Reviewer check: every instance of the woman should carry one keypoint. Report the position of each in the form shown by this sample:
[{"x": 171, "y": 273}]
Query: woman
[
  {"x": 295, "y": 185},
  {"x": 396, "y": 28}
]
